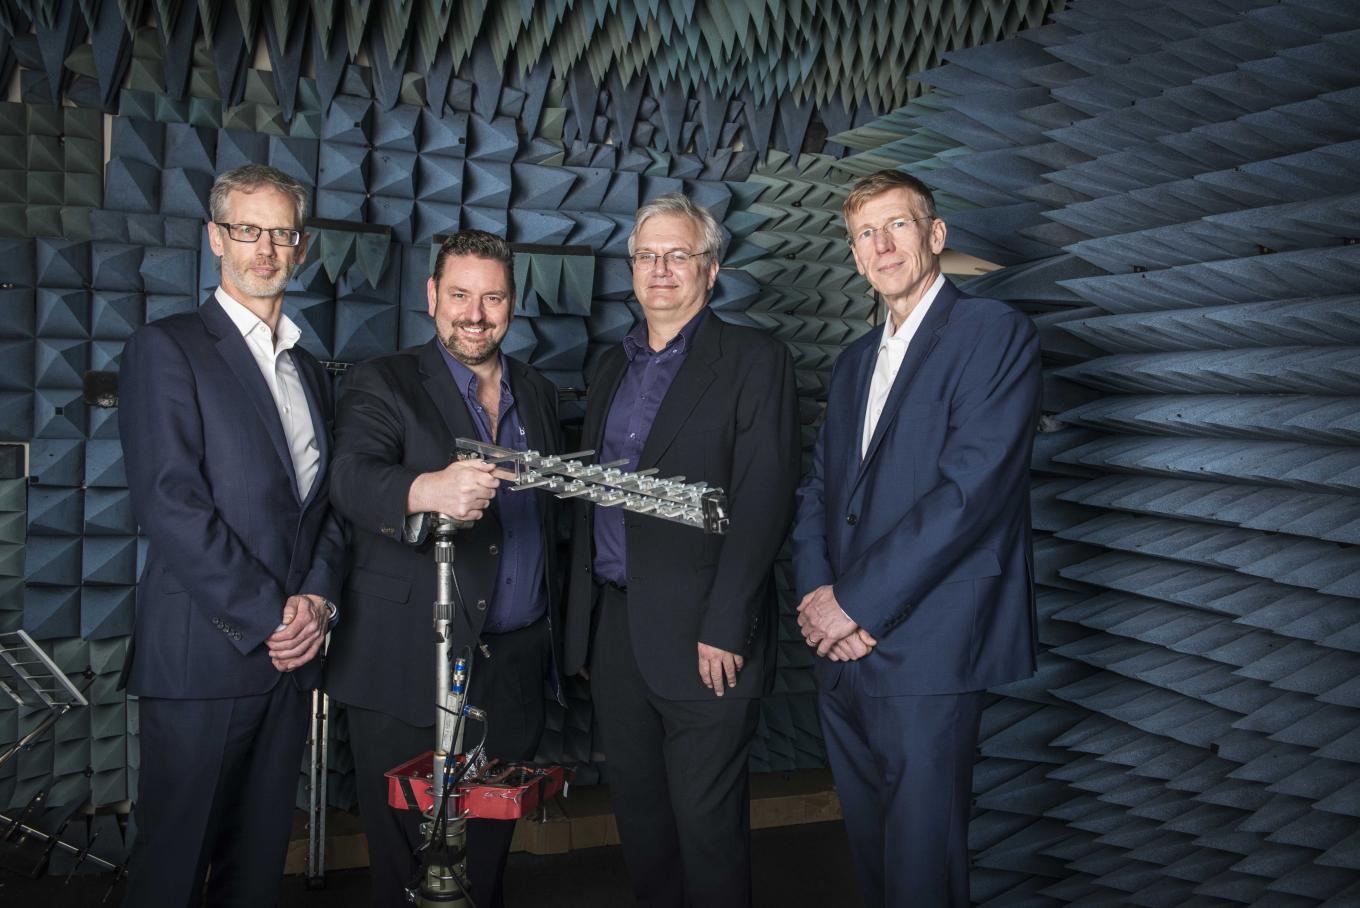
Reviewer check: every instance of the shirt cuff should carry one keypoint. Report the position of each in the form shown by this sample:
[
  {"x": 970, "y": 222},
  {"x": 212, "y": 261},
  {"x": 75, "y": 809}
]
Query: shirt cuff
[
  {"x": 332, "y": 610},
  {"x": 415, "y": 529}
]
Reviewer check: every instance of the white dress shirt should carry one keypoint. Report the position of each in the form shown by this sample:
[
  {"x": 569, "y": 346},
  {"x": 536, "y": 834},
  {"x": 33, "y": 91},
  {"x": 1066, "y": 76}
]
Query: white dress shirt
[
  {"x": 892, "y": 349},
  {"x": 281, "y": 375}
]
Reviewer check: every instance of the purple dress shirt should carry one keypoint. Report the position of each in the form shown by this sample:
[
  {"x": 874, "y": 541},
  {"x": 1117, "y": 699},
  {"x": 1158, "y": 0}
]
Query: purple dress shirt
[
  {"x": 634, "y": 408},
  {"x": 520, "y": 598}
]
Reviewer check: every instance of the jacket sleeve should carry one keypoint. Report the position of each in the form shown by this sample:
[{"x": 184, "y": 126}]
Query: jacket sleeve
[
  {"x": 369, "y": 484},
  {"x": 811, "y": 557},
  {"x": 765, "y": 454},
  {"x": 984, "y": 467},
  {"x": 327, "y": 571},
  {"x": 161, "y": 428},
  {"x": 328, "y": 561}
]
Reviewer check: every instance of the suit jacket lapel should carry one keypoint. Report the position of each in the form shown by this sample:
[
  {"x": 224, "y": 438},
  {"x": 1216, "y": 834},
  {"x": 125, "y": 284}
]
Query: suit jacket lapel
[
  {"x": 695, "y": 375},
  {"x": 600, "y": 396},
  {"x": 864, "y": 374},
  {"x": 232, "y": 346},
  {"x": 926, "y": 337},
  {"x": 448, "y": 400},
  {"x": 533, "y": 418},
  {"x": 528, "y": 406},
  {"x": 443, "y": 391}
]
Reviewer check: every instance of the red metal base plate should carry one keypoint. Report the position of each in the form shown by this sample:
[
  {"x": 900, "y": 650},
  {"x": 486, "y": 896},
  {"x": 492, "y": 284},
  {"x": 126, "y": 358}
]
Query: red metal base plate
[{"x": 509, "y": 792}]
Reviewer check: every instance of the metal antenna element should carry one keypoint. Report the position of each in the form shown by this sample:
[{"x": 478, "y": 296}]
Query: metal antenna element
[{"x": 642, "y": 492}]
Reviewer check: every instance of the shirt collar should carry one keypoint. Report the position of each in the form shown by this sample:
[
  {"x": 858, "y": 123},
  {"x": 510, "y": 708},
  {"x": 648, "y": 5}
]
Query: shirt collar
[
  {"x": 465, "y": 378},
  {"x": 248, "y": 322},
  {"x": 635, "y": 341},
  {"x": 907, "y": 329}
]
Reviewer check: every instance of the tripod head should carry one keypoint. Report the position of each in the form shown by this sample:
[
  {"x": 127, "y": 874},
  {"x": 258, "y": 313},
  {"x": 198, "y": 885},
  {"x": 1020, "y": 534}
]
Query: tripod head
[{"x": 442, "y": 526}]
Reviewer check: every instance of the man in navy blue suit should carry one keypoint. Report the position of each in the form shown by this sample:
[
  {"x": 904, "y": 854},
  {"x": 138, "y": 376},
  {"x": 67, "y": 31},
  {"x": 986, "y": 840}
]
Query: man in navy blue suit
[
  {"x": 912, "y": 547},
  {"x": 224, "y": 424}
]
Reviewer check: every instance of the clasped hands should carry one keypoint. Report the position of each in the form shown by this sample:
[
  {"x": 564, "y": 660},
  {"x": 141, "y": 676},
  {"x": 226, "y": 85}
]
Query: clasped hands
[
  {"x": 301, "y": 630},
  {"x": 826, "y": 626}
]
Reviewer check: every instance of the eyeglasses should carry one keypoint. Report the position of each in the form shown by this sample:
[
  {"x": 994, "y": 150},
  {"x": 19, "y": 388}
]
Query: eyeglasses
[
  {"x": 249, "y": 233},
  {"x": 676, "y": 258},
  {"x": 896, "y": 228}
]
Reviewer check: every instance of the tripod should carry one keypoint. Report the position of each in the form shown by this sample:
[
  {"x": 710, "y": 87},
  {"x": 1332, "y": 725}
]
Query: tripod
[{"x": 443, "y": 877}]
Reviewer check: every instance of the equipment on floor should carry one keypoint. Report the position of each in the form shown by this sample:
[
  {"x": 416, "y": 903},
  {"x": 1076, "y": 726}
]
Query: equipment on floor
[
  {"x": 449, "y": 785},
  {"x": 44, "y": 694}
]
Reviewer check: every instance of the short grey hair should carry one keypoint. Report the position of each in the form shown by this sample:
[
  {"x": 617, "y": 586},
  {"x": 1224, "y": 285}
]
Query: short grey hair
[
  {"x": 678, "y": 204},
  {"x": 250, "y": 177}
]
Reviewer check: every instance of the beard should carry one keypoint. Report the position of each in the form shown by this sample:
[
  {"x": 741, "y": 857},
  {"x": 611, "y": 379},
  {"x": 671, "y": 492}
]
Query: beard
[
  {"x": 255, "y": 286},
  {"x": 471, "y": 351}
]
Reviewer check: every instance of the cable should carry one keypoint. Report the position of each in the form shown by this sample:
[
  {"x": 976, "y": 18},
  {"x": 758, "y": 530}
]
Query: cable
[{"x": 439, "y": 826}]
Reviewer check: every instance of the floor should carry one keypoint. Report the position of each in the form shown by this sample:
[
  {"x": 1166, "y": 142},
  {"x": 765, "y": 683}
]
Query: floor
[{"x": 804, "y": 864}]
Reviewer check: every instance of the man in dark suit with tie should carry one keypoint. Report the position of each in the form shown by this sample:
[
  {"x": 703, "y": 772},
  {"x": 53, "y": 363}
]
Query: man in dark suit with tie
[
  {"x": 224, "y": 425},
  {"x": 397, "y": 422},
  {"x": 912, "y": 547},
  {"x": 677, "y": 627}
]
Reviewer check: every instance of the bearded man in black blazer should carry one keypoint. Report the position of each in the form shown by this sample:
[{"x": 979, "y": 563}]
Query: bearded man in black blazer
[
  {"x": 676, "y": 628},
  {"x": 397, "y": 420}
]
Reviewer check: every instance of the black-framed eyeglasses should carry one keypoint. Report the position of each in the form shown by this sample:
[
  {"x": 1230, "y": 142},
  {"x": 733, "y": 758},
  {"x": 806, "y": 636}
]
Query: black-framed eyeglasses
[
  {"x": 897, "y": 227},
  {"x": 676, "y": 258},
  {"x": 249, "y": 233}
]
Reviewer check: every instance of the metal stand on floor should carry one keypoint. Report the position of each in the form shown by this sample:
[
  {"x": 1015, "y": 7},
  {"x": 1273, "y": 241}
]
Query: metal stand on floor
[
  {"x": 443, "y": 860},
  {"x": 319, "y": 741},
  {"x": 449, "y": 785},
  {"x": 30, "y": 678}
]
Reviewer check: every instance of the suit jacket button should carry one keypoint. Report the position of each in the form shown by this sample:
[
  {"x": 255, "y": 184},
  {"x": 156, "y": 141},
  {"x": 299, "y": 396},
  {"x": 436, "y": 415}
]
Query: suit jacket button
[
  {"x": 852, "y": 519},
  {"x": 481, "y": 605},
  {"x": 494, "y": 550}
]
